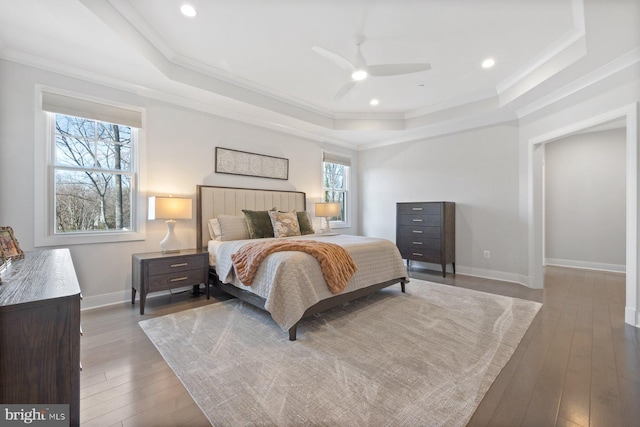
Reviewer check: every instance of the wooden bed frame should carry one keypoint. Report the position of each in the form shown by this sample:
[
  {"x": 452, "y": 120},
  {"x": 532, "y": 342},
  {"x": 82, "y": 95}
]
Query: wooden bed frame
[{"x": 212, "y": 201}]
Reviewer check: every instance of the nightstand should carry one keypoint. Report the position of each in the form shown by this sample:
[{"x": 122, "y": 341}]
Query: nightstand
[{"x": 157, "y": 271}]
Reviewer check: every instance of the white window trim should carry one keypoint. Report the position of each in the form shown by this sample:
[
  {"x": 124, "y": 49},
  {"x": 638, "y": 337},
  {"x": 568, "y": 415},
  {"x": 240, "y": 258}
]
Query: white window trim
[
  {"x": 44, "y": 222},
  {"x": 326, "y": 158}
]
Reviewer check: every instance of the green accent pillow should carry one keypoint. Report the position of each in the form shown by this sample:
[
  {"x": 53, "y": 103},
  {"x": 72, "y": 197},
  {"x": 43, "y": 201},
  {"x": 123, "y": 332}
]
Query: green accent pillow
[
  {"x": 304, "y": 221},
  {"x": 259, "y": 223}
]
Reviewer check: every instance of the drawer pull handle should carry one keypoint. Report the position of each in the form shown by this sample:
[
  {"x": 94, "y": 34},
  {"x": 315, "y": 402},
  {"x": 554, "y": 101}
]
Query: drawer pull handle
[
  {"x": 417, "y": 231},
  {"x": 416, "y": 254},
  {"x": 179, "y": 279},
  {"x": 416, "y": 220},
  {"x": 416, "y": 209},
  {"x": 182, "y": 264},
  {"x": 417, "y": 243}
]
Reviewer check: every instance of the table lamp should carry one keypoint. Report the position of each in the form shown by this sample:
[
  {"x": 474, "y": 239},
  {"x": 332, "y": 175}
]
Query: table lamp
[
  {"x": 170, "y": 208},
  {"x": 327, "y": 210}
]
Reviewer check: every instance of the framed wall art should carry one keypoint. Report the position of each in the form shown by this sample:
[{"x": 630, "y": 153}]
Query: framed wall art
[
  {"x": 9, "y": 248},
  {"x": 236, "y": 162}
]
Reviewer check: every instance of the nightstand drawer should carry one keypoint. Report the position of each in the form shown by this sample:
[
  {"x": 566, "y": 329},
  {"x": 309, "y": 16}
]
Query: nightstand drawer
[
  {"x": 177, "y": 264},
  {"x": 161, "y": 282}
]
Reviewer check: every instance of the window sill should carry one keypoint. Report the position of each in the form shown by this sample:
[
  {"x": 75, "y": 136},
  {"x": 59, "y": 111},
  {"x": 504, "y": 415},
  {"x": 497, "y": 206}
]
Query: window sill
[{"x": 88, "y": 238}]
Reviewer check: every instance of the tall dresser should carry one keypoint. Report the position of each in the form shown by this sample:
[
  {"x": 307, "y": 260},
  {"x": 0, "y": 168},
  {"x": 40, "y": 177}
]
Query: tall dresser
[
  {"x": 40, "y": 332},
  {"x": 426, "y": 231}
]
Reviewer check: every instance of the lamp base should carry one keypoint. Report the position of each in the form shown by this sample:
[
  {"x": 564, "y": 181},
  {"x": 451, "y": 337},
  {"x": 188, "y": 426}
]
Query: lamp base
[
  {"x": 327, "y": 225},
  {"x": 170, "y": 244}
]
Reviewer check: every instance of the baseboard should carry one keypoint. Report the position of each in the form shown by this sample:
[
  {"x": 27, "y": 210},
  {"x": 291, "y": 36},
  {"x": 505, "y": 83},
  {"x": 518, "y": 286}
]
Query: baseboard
[
  {"x": 632, "y": 317},
  {"x": 614, "y": 268},
  {"x": 478, "y": 272},
  {"x": 494, "y": 275},
  {"x": 114, "y": 298}
]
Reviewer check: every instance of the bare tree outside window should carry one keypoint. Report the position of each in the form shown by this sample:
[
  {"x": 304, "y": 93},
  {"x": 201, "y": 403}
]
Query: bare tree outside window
[
  {"x": 93, "y": 175},
  {"x": 336, "y": 186}
]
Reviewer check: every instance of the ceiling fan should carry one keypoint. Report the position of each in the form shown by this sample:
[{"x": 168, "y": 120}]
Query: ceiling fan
[{"x": 359, "y": 70}]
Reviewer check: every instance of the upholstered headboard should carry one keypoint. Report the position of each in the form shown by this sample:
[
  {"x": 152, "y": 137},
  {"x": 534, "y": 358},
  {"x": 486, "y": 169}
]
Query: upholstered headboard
[{"x": 212, "y": 201}]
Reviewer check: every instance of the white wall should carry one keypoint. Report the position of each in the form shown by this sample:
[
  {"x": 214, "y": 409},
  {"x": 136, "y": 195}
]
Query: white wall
[
  {"x": 478, "y": 170},
  {"x": 585, "y": 200},
  {"x": 178, "y": 155}
]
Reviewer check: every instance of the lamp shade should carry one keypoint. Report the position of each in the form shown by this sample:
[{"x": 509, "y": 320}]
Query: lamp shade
[
  {"x": 170, "y": 208},
  {"x": 327, "y": 209}
]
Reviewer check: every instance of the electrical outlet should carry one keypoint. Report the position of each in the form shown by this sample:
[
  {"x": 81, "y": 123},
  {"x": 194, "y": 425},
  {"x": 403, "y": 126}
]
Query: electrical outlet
[{"x": 487, "y": 254}]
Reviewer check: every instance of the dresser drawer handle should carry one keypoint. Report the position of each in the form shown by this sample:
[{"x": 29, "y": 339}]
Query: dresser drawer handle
[
  {"x": 416, "y": 254},
  {"x": 417, "y": 231},
  {"x": 416, "y": 220},
  {"x": 416, "y": 243},
  {"x": 416, "y": 209},
  {"x": 182, "y": 264},
  {"x": 179, "y": 279}
]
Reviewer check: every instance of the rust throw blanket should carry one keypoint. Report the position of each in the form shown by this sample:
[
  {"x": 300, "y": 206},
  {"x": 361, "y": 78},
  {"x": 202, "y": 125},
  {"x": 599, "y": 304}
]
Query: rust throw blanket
[{"x": 336, "y": 263}]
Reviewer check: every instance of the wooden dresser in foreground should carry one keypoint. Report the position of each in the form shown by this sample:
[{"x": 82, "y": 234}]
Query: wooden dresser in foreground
[
  {"x": 426, "y": 231},
  {"x": 40, "y": 332}
]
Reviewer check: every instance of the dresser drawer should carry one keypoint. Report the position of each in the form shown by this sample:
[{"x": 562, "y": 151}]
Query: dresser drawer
[
  {"x": 420, "y": 244},
  {"x": 407, "y": 232},
  {"x": 176, "y": 264},
  {"x": 420, "y": 255},
  {"x": 420, "y": 220},
  {"x": 418, "y": 208}
]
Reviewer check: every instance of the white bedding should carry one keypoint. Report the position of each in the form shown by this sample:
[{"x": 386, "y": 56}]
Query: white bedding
[{"x": 291, "y": 282}]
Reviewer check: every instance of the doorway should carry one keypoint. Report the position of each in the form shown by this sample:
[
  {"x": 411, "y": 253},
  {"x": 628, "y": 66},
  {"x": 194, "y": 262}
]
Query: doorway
[{"x": 536, "y": 196}]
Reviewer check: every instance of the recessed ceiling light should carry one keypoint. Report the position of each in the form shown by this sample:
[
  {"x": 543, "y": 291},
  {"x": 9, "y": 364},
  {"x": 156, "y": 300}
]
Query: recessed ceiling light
[
  {"x": 374, "y": 102},
  {"x": 488, "y": 63},
  {"x": 359, "y": 75},
  {"x": 188, "y": 10}
]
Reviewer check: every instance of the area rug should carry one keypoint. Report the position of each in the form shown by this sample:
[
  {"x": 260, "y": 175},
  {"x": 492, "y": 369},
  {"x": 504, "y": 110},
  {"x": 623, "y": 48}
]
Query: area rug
[{"x": 424, "y": 358}]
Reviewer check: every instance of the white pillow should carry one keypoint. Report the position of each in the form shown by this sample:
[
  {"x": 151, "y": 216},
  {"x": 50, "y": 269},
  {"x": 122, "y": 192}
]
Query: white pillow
[
  {"x": 233, "y": 228},
  {"x": 214, "y": 229}
]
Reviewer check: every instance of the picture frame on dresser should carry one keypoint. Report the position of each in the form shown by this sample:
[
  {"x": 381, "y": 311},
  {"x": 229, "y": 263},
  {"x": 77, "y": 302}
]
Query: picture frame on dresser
[{"x": 9, "y": 247}]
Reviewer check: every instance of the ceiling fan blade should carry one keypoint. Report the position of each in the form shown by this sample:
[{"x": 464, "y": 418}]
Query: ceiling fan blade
[
  {"x": 339, "y": 60},
  {"x": 344, "y": 90},
  {"x": 383, "y": 70}
]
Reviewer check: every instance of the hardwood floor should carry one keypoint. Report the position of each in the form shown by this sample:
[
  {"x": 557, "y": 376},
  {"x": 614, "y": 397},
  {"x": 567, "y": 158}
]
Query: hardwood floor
[{"x": 577, "y": 365}]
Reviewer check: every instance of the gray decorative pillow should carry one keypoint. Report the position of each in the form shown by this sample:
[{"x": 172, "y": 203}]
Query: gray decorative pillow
[
  {"x": 285, "y": 224},
  {"x": 259, "y": 223},
  {"x": 233, "y": 228},
  {"x": 304, "y": 221}
]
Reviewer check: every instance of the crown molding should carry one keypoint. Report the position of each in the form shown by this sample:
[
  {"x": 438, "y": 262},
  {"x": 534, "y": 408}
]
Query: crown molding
[{"x": 613, "y": 67}]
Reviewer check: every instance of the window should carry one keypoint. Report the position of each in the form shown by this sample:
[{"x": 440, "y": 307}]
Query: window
[
  {"x": 336, "y": 185},
  {"x": 87, "y": 187},
  {"x": 92, "y": 168}
]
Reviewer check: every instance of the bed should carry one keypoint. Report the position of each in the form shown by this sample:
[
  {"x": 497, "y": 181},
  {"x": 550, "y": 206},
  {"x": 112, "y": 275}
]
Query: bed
[{"x": 290, "y": 284}]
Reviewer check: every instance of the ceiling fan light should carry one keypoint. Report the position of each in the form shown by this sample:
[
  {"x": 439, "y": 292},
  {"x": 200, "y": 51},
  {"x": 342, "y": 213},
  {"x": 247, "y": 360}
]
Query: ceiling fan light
[
  {"x": 488, "y": 63},
  {"x": 188, "y": 10},
  {"x": 359, "y": 75}
]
